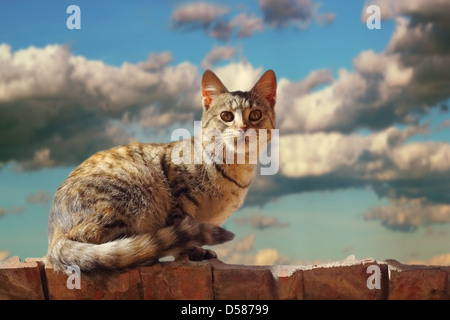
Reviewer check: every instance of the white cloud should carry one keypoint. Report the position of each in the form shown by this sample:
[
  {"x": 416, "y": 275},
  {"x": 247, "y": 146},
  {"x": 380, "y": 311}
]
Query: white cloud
[
  {"x": 323, "y": 153},
  {"x": 375, "y": 95},
  {"x": 238, "y": 75},
  {"x": 247, "y": 24},
  {"x": 33, "y": 71},
  {"x": 422, "y": 159}
]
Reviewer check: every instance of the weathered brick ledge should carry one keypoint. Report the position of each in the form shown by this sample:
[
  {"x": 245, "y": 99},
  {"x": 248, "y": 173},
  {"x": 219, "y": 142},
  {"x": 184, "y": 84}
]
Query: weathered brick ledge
[{"x": 209, "y": 280}]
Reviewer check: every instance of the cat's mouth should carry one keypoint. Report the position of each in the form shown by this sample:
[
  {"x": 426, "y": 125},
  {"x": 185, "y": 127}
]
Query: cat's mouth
[
  {"x": 232, "y": 143},
  {"x": 239, "y": 140}
]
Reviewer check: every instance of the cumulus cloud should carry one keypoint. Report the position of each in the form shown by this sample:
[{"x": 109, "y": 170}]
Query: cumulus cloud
[
  {"x": 261, "y": 222},
  {"x": 239, "y": 75},
  {"x": 375, "y": 96},
  {"x": 407, "y": 214},
  {"x": 217, "y": 54},
  {"x": 57, "y": 108},
  {"x": 385, "y": 161},
  {"x": 320, "y": 148},
  {"x": 288, "y": 93},
  {"x": 86, "y": 105},
  {"x": 355, "y": 155},
  {"x": 247, "y": 24},
  {"x": 395, "y": 86}
]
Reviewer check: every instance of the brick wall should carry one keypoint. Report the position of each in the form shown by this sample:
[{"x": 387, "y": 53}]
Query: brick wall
[{"x": 215, "y": 280}]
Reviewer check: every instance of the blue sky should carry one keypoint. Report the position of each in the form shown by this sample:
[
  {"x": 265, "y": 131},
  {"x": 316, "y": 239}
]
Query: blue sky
[{"x": 363, "y": 115}]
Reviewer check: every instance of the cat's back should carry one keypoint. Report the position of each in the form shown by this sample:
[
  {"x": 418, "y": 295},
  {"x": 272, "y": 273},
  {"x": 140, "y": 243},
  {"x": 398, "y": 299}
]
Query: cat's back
[
  {"x": 123, "y": 174},
  {"x": 126, "y": 181},
  {"x": 134, "y": 159}
]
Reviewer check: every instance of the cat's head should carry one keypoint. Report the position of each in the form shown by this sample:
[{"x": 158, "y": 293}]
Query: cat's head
[
  {"x": 237, "y": 109},
  {"x": 239, "y": 116}
]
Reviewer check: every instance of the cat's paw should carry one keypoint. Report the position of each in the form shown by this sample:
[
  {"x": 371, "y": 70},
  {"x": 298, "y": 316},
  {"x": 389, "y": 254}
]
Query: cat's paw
[{"x": 199, "y": 254}]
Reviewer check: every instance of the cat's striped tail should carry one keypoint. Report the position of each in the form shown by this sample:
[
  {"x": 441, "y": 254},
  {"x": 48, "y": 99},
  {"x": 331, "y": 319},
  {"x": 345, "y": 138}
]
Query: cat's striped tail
[{"x": 121, "y": 254}]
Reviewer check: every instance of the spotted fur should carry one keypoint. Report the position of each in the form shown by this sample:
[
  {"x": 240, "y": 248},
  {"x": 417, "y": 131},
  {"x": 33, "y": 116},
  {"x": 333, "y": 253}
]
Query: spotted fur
[{"x": 131, "y": 205}]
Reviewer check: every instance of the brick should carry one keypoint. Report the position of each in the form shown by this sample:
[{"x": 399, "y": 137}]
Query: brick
[
  {"x": 345, "y": 282},
  {"x": 289, "y": 281},
  {"x": 216, "y": 280},
  {"x": 409, "y": 282},
  {"x": 123, "y": 286},
  {"x": 20, "y": 280},
  {"x": 237, "y": 282},
  {"x": 291, "y": 286},
  {"x": 39, "y": 261},
  {"x": 180, "y": 280}
]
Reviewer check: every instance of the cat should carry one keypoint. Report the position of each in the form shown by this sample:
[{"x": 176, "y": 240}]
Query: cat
[{"x": 131, "y": 205}]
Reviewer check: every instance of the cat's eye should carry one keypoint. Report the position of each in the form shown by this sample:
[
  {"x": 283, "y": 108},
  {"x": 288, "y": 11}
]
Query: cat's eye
[
  {"x": 255, "y": 115},
  {"x": 227, "y": 116}
]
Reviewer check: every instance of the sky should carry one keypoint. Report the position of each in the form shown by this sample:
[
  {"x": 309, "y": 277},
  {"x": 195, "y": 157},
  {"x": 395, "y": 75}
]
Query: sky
[{"x": 362, "y": 113}]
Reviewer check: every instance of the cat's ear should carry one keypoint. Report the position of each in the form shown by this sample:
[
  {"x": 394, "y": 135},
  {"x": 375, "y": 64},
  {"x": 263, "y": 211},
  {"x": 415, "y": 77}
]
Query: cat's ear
[
  {"x": 211, "y": 87},
  {"x": 266, "y": 87}
]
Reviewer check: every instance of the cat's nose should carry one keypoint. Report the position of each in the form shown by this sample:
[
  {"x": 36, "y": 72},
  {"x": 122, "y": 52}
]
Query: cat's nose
[{"x": 244, "y": 129}]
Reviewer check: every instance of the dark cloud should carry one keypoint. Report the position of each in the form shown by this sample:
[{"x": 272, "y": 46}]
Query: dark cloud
[
  {"x": 300, "y": 13},
  {"x": 221, "y": 30},
  {"x": 280, "y": 13}
]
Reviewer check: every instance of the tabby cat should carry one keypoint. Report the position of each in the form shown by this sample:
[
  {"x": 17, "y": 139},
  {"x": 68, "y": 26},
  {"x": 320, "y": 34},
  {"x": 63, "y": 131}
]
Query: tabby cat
[{"x": 131, "y": 205}]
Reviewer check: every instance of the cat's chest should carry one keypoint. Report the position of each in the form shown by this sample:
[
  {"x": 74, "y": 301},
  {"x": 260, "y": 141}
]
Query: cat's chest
[
  {"x": 212, "y": 193},
  {"x": 217, "y": 210}
]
